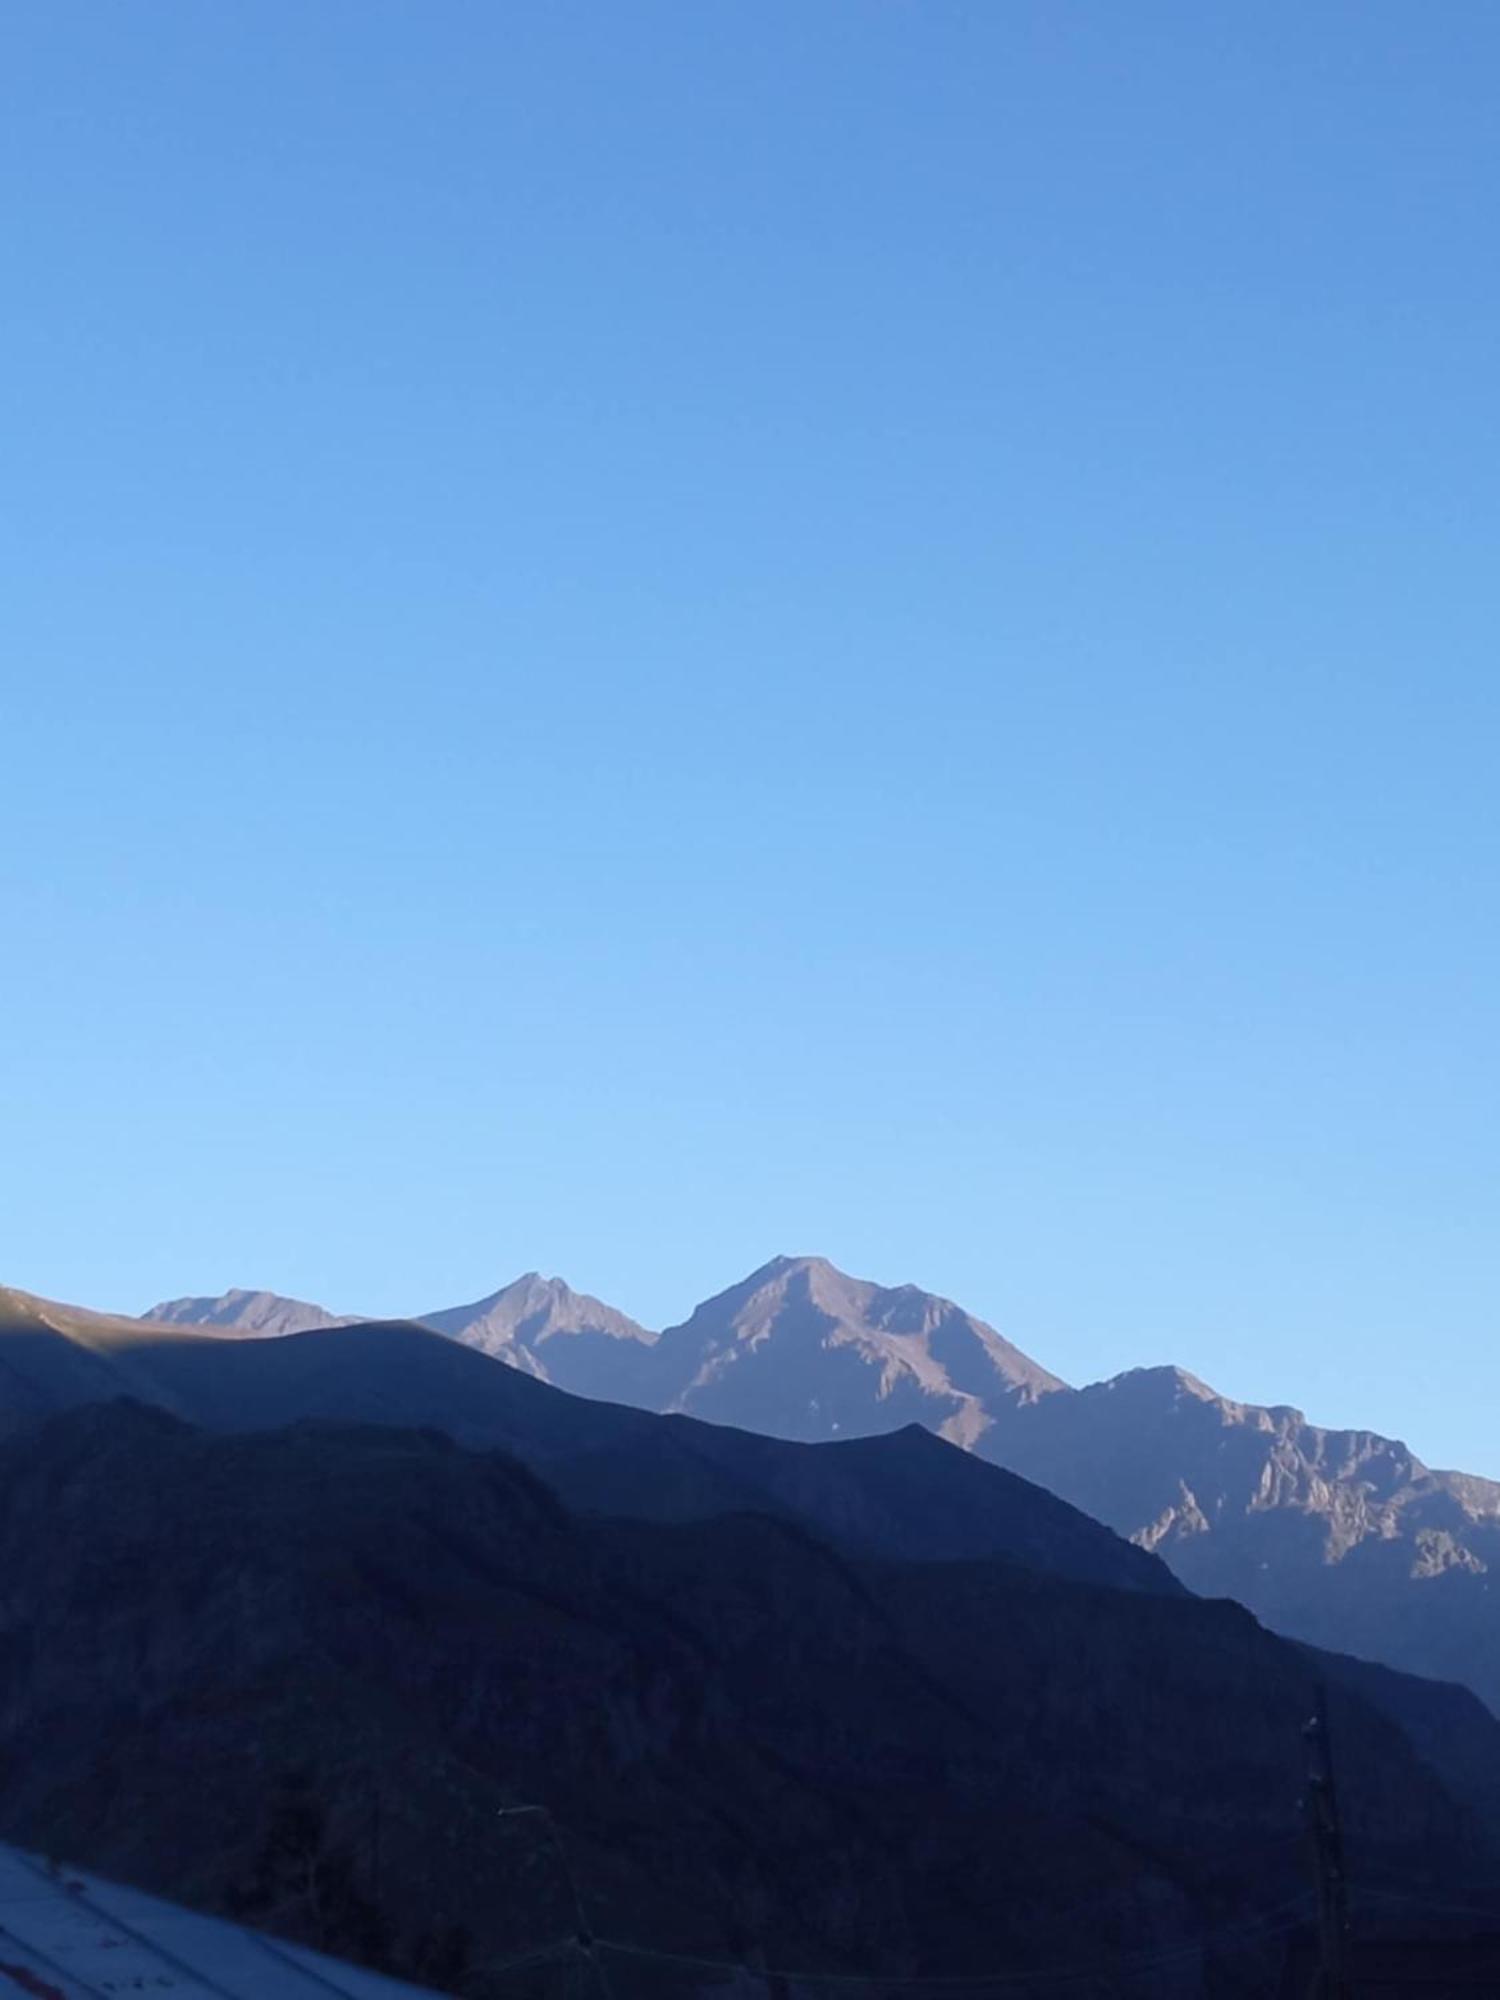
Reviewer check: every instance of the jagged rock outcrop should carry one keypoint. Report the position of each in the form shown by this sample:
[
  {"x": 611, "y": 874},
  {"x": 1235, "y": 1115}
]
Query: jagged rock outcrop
[{"x": 1343, "y": 1538}]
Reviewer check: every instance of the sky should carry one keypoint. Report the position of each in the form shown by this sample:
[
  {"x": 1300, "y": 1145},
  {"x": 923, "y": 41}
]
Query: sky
[{"x": 636, "y": 637}]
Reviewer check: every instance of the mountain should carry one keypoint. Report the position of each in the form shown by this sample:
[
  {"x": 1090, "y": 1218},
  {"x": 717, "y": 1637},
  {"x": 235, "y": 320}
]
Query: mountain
[
  {"x": 264, "y": 1314},
  {"x": 544, "y": 1327},
  {"x": 905, "y": 1495},
  {"x": 908, "y": 1495},
  {"x": 902, "y": 1494},
  {"x": 55, "y": 1358},
  {"x": 539, "y": 1325},
  {"x": 797, "y": 1349},
  {"x": 802, "y": 1351},
  {"x": 754, "y": 1744},
  {"x": 1343, "y": 1538}
]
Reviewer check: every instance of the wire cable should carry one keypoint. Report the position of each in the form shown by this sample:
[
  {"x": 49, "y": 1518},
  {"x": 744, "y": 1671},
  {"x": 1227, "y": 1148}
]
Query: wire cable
[{"x": 1251, "y": 1931}]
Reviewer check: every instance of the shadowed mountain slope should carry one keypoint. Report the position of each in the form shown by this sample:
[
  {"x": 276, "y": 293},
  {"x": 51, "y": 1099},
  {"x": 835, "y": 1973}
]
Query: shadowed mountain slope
[
  {"x": 752, "y": 1742},
  {"x": 55, "y": 1358},
  {"x": 908, "y": 1495},
  {"x": 902, "y": 1494}
]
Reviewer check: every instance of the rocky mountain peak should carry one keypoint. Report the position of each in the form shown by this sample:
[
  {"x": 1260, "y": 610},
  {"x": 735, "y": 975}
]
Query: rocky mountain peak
[
  {"x": 802, "y": 1349},
  {"x": 246, "y": 1313},
  {"x": 532, "y": 1309},
  {"x": 543, "y": 1327}
]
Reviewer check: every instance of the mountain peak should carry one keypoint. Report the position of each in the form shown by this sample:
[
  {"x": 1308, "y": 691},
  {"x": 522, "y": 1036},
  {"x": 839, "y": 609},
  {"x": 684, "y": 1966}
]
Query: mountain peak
[
  {"x": 542, "y": 1326},
  {"x": 1162, "y": 1379},
  {"x": 1165, "y": 1386},
  {"x": 259, "y": 1314},
  {"x": 783, "y": 1266},
  {"x": 802, "y": 1350},
  {"x": 530, "y": 1287}
]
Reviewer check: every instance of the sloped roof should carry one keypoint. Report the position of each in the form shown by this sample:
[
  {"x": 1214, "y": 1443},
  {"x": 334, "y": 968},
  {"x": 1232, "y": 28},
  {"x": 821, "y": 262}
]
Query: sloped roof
[{"x": 67, "y": 1935}]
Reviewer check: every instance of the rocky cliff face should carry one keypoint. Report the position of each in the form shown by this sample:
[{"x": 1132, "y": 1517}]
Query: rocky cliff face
[{"x": 1344, "y": 1538}]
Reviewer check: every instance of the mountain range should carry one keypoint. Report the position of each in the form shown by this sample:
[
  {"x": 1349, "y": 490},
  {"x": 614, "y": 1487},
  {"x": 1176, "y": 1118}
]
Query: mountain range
[
  {"x": 308, "y": 1629},
  {"x": 1340, "y": 1537}
]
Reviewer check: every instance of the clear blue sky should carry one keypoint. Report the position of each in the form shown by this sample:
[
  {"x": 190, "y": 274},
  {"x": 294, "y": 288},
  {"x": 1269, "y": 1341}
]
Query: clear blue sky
[{"x": 640, "y": 635}]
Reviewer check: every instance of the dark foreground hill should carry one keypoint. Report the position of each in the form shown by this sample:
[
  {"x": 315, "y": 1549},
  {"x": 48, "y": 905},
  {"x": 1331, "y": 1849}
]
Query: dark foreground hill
[
  {"x": 904, "y": 1495},
  {"x": 907, "y": 1495},
  {"x": 308, "y": 1675}
]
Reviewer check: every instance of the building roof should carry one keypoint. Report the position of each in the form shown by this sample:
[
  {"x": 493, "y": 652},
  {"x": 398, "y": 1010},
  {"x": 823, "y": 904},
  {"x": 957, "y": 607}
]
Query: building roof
[{"x": 67, "y": 1935}]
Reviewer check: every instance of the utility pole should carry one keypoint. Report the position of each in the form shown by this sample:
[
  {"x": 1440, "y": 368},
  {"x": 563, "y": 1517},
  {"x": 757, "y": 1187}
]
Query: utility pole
[
  {"x": 583, "y": 1936},
  {"x": 376, "y": 1879},
  {"x": 1322, "y": 1808}
]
